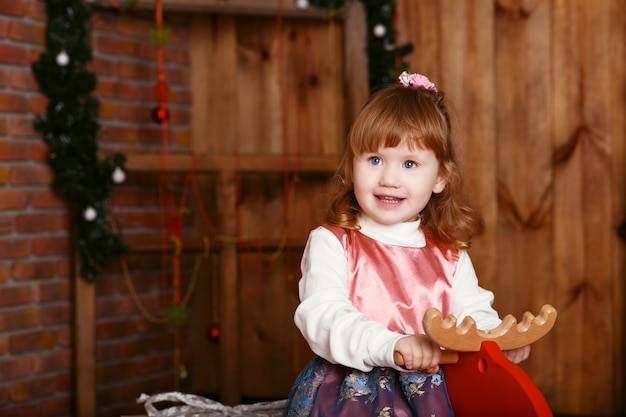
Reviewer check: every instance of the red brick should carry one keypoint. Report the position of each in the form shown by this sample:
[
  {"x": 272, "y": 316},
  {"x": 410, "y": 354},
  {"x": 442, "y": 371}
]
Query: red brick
[
  {"x": 180, "y": 34},
  {"x": 23, "y": 80},
  {"x": 46, "y": 246},
  {"x": 181, "y": 136},
  {"x": 179, "y": 116},
  {"x": 138, "y": 28},
  {"x": 19, "y": 319},
  {"x": 106, "y": 88},
  {"x": 12, "y": 296},
  {"x": 21, "y": 410},
  {"x": 108, "y": 110},
  {"x": 39, "y": 151},
  {"x": 180, "y": 97},
  {"x": 55, "y": 314},
  {"x": 33, "y": 270},
  {"x": 35, "y": 53},
  {"x": 37, "y": 223},
  {"x": 4, "y": 277},
  {"x": 47, "y": 199},
  {"x": 65, "y": 337},
  {"x": 148, "y": 51},
  {"x": 134, "y": 113},
  {"x": 138, "y": 219},
  {"x": 13, "y": 103},
  {"x": 134, "y": 197},
  {"x": 15, "y": 248},
  {"x": 3, "y": 73},
  {"x": 182, "y": 57},
  {"x": 13, "y": 199},
  {"x": 103, "y": 66},
  {"x": 177, "y": 76},
  {"x": 115, "y": 46},
  {"x": 115, "y": 307},
  {"x": 59, "y": 405},
  {"x": 34, "y": 388},
  {"x": 22, "y": 127},
  {"x": 32, "y": 341},
  {"x": 27, "y": 32},
  {"x": 125, "y": 90},
  {"x": 12, "y": 7},
  {"x": 136, "y": 71},
  {"x": 4, "y": 347},
  {"x": 55, "y": 291},
  {"x": 123, "y": 134},
  {"x": 6, "y": 224},
  {"x": 55, "y": 361},
  {"x": 15, "y": 150},
  {"x": 104, "y": 21},
  {"x": 11, "y": 54},
  {"x": 31, "y": 175},
  {"x": 113, "y": 329},
  {"x": 4, "y": 175},
  {"x": 151, "y": 134},
  {"x": 38, "y": 104},
  {"x": 109, "y": 286},
  {"x": 37, "y": 11},
  {"x": 63, "y": 268},
  {"x": 122, "y": 370}
]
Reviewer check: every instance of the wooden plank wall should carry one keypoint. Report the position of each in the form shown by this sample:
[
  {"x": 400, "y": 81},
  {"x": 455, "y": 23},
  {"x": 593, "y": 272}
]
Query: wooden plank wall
[
  {"x": 266, "y": 88},
  {"x": 539, "y": 97}
]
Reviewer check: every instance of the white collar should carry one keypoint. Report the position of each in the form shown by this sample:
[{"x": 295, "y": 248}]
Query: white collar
[{"x": 401, "y": 234}]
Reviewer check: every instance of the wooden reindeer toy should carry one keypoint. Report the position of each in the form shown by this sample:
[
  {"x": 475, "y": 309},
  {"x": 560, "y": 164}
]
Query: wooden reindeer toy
[{"x": 481, "y": 381}]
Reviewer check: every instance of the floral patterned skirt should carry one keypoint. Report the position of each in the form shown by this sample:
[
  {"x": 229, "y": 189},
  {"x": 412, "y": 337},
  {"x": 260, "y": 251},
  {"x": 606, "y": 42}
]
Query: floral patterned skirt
[{"x": 324, "y": 389}]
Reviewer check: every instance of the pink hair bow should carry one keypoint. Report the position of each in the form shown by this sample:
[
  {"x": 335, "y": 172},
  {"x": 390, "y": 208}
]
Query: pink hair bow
[{"x": 416, "y": 81}]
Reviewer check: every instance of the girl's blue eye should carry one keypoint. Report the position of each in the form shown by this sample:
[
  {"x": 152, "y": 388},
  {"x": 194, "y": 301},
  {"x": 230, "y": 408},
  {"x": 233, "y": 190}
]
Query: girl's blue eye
[
  {"x": 410, "y": 164},
  {"x": 375, "y": 160}
]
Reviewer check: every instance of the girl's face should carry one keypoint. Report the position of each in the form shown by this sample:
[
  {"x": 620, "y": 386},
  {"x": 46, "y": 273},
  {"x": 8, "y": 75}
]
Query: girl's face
[{"x": 394, "y": 185}]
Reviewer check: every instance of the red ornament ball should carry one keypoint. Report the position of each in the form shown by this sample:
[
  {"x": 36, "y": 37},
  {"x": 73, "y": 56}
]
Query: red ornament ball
[
  {"x": 159, "y": 114},
  {"x": 213, "y": 333}
]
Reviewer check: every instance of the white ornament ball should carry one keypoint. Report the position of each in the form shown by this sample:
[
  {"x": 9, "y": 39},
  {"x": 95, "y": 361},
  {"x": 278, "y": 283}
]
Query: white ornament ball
[
  {"x": 380, "y": 30},
  {"x": 63, "y": 58},
  {"x": 302, "y": 4},
  {"x": 118, "y": 175},
  {"x": 90, "y": 214}
]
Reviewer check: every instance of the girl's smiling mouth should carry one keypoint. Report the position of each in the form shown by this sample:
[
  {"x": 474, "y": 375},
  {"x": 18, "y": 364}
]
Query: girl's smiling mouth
[{"x": 389, "y": 199}]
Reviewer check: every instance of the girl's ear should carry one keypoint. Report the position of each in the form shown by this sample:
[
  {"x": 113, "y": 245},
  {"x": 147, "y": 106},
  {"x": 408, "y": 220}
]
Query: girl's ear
[{"x": 442, "y": 180}]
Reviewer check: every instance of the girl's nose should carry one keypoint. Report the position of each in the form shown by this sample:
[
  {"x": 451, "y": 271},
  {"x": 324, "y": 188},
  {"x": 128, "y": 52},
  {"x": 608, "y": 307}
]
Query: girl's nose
[{"x": 389, "y": 177}]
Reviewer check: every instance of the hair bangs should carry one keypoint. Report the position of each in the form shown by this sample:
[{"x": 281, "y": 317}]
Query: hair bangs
[{"x": 424, "y": 128}]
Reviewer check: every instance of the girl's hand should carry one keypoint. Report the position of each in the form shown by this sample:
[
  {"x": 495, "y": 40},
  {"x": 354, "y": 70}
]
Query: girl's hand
[
  {"x": 419, "y": 353},
  {"x": 517, "y": 355}
]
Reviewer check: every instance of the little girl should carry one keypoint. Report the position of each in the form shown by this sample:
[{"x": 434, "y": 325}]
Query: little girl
[{"x": 394, "y": 246}]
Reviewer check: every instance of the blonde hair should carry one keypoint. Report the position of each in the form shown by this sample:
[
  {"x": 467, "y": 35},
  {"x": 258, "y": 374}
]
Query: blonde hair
[{"x": 419, "y": 119}]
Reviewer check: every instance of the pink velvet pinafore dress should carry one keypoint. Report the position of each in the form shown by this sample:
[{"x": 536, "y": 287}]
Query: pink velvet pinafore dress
[{"x": 394, "y": 285}]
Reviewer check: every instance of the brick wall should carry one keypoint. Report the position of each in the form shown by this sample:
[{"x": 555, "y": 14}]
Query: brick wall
[{"x": 36, "y": 333}]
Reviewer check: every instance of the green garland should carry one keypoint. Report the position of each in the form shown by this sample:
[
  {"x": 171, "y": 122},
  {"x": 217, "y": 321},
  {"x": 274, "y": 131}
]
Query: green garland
[
  {"x": 384, "y": 57},
  {"x": 70, "y": 129}
]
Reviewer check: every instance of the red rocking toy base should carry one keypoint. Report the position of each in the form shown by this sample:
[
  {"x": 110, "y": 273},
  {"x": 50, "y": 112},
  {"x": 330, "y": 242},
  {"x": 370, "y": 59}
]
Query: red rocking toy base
[{"x": 487, "y": 384}]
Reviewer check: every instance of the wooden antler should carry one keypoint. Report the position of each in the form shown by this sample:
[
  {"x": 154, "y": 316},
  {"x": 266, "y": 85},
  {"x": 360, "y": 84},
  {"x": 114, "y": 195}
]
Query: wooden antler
[
  {"x": 508, "y": 335},
  {"x": 467, "y": 338}
]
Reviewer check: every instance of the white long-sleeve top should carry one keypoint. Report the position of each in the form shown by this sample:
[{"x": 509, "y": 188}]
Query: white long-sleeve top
[{"x": 337, "y": 331}]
